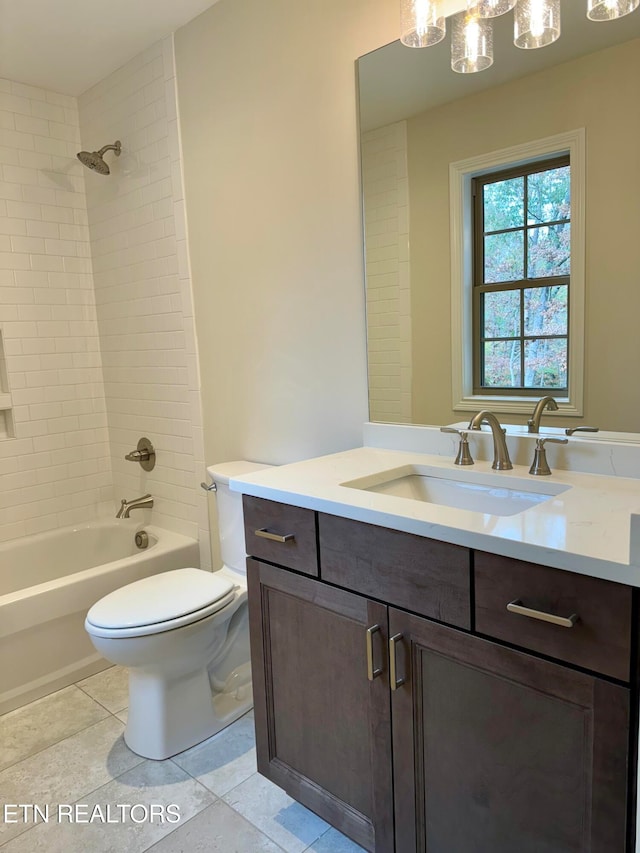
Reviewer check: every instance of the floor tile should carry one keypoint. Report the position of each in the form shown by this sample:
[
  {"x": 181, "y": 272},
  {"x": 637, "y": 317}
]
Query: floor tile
[
  {"x": 267, "y": 807},
  {"x": 217, "y": 829},
  {"x": 225, "y": 760},
  {"x": 68, "y": 770},
  {"x": 110, "y": 688},
  {"x": 44, "y": 722},
  {"x": 152, "y": 783},
  {"x": 334, "y": 842}
]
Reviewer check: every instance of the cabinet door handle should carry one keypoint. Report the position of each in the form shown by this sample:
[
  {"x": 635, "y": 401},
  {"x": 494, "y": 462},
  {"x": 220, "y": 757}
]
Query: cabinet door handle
[
  {"x": 395, "y": 681},
  {"x": 564, "y": 621},
  {"x": 371, "y": 672},
  {"x": 263, "y": 533}
]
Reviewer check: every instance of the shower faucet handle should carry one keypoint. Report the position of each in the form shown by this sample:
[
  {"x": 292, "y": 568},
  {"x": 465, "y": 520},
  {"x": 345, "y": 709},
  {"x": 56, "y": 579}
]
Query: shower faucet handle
[{"x": 144, "y": 454}]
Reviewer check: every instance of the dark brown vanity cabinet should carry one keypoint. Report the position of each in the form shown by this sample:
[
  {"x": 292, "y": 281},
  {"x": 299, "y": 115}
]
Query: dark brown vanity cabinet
[
  {"x": 323, "y": 730},
  {"x": 496, "y": 751},
  {"x": 410, "y": 734}
]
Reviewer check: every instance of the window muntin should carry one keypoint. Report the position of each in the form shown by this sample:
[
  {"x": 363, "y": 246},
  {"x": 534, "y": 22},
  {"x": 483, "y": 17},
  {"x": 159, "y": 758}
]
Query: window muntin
[{"x": 521, "y": 278}]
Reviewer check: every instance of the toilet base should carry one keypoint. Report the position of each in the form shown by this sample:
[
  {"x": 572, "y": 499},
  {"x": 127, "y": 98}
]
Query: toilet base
[{"x": 168, "y": 716}]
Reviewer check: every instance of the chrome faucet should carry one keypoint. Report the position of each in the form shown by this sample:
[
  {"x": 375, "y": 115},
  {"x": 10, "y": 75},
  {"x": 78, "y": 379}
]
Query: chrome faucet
[
  {"x": 501, "y": 460},
  {"x": 534, "y": 421},
  {"x": 145, "y": 502}
]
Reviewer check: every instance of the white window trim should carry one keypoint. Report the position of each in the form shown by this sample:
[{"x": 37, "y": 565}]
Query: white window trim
[{"x": 460, "y": 177}]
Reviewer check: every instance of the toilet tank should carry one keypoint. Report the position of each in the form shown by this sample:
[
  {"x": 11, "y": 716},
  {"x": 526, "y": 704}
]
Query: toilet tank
[{"x": 229, "y": 505}]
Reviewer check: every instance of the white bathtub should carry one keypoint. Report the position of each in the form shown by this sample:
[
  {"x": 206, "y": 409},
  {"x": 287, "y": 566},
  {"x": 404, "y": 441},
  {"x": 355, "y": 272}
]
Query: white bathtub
[{"x": 47, "y": 584}]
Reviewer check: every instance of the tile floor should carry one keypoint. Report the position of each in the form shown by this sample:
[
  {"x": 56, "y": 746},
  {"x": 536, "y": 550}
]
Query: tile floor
[{"x": 66, "y": 752}]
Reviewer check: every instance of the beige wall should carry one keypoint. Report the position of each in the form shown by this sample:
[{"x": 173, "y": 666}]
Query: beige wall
[
  {"x": 268, "y": 120},
  {"x": 597, "y": 93}
]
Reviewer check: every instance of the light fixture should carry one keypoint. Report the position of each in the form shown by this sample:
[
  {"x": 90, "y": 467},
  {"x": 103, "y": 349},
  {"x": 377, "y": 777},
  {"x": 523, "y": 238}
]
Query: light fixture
[
  {"x": 471, "y": 42},
  {"x": 536, "y": 23},
  {"x": 422, "y": 23},
  {"x": 609, "y": 10},
  {"x": 493, "y": 8}
]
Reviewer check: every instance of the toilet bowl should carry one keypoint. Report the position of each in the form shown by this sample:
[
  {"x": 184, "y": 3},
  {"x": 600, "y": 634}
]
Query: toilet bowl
[{"x": 184, "y": 637}]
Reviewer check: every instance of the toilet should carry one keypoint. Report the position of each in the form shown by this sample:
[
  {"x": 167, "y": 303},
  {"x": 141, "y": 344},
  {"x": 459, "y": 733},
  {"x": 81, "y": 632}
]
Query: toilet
[{"x": 184, "y": 637}]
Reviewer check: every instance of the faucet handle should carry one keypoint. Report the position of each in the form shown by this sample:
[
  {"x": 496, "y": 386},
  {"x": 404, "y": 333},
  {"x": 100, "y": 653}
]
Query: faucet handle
[
  {"x": 464, "y": 454},
  {"x": 540, "y": 466},
  {"x": 571, "y": 430},
  {"x": 144, "y": 454}
]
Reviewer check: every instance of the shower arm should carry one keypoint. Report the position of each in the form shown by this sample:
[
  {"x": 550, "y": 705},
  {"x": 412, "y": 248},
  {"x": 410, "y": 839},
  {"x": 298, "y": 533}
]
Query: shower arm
[{"x": 117, "y": 148}]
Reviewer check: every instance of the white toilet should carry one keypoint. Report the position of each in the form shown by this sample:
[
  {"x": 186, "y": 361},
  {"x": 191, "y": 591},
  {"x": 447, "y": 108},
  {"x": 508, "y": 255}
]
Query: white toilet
[{"x": 184, "y": 637}]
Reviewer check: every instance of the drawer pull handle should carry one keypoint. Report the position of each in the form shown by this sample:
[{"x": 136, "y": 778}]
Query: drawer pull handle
[
  {"x": 371, "y": 672},
  {"x": 263, "y": 533},
  {"x": 564, "y": 621},
  {"x": 395, "y": 681}
]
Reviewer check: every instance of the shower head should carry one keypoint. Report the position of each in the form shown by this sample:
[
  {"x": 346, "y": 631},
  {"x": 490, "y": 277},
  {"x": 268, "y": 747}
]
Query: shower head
[{"x": 95, "y": 159}]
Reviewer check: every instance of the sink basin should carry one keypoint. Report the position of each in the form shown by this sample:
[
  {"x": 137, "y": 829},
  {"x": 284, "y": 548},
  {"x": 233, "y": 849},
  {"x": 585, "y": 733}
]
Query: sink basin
[{"x": 486, "y": 493}]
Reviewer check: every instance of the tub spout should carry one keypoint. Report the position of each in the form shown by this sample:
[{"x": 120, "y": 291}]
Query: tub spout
[{"x": 145, "y": 502}]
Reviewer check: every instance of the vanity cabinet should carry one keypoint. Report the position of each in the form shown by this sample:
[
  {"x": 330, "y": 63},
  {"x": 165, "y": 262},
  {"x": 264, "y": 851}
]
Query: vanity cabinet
[
  {"x": 379, "y": 706},
  {"x": 496, "y": 751},
  {"x": 323, "y": 730}
]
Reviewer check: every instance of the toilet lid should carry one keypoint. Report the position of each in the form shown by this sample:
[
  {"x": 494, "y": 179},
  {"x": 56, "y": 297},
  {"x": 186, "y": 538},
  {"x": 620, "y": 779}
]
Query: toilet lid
[{"x": 159, "y": 598}]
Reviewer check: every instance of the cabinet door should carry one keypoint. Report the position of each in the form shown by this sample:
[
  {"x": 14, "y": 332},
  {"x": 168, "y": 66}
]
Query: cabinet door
[
  {"x": 323, "y": 729},
  {"x": 496, "y": 751}
]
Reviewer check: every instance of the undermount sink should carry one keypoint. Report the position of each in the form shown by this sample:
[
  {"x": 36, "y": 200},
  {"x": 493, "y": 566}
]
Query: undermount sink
[{"x": 492, "y": 494}]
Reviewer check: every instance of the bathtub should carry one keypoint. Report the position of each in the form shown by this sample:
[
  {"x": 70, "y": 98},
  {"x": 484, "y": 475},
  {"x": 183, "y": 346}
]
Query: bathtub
[{"x": 47, "y": 584}]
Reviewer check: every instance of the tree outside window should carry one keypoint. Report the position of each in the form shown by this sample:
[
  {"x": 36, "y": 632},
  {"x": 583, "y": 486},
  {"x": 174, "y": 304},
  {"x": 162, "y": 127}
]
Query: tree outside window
[{"x": 522, "y": 266}]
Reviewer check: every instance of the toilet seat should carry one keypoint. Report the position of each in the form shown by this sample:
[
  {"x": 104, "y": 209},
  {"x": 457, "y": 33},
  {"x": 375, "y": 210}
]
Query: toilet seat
[{"x": 160, "y": 603}]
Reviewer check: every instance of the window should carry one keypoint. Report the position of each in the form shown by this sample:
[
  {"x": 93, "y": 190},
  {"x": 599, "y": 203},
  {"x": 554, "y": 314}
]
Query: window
[
  {"x": 518, "y": 288},
  {"x": 521, "y": 279}
]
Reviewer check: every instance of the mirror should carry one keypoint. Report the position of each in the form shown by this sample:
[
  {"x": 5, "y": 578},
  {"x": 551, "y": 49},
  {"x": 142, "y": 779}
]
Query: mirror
[{"x": 416, "y": 118}]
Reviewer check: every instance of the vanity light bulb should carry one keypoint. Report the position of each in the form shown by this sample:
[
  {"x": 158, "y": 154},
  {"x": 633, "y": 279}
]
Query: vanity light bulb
[
  {"x": 536, "y": 23},
  {"x": 493, "y": 8},
  {"x": 609, "y": 10},
  {"x": 422, "y": 23},
  {"x": 471, "y": 43}
]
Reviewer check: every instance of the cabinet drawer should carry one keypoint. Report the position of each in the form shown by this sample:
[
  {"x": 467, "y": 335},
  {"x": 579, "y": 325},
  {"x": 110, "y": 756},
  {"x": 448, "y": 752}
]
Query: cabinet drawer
[
  {"x": 427, "y": 577},
  {"x": 599, "y": 638},
  {"x": 281, "y": 534}
]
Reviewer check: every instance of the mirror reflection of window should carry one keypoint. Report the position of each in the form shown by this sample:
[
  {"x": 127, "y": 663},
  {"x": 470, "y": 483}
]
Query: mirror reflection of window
[{"x": 521, "y": 275}]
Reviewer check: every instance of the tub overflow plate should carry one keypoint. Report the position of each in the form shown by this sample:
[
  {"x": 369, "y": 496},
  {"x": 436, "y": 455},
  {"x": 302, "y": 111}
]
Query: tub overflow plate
[{"x": 142, "y": 539}]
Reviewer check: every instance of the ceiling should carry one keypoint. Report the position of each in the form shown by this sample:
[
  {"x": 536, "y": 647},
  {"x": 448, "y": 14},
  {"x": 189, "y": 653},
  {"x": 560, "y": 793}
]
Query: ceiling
[{"x": 69, "y": 45}]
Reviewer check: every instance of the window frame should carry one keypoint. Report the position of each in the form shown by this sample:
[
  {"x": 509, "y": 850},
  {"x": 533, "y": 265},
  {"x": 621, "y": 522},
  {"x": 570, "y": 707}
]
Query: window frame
[
  {"x": 480, "y": 287},
  {"x": 461, "y": 175}
]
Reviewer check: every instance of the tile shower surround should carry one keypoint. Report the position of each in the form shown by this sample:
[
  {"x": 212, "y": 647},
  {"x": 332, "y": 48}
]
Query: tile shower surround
[
  {"x": 56, "y": 471},
  {"x": 386, "y": 212},
  {"x": 95, "y": 305},
  {"x": 68, "y": 748}
]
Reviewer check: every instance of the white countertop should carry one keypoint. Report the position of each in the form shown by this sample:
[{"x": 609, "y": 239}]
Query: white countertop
[{"x": 585, "y": 529}]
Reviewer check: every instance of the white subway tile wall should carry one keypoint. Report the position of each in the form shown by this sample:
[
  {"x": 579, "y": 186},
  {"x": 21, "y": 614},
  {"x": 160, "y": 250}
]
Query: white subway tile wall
[
  {"x": 56, "y": 469},
  {"x": 386, "y": 213},
  {"x": 96, "y": 316},
  {"x": 143, "y": 289}
]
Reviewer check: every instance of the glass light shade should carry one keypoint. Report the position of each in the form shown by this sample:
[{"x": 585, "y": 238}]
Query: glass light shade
[
  {"x": 536, "y": 23},
  {"x": 493, "y": 8},
  {"x": 609, "y": 10},
  {"x": 471, "y": 43},
  {"x": 421, "y": 23}
]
